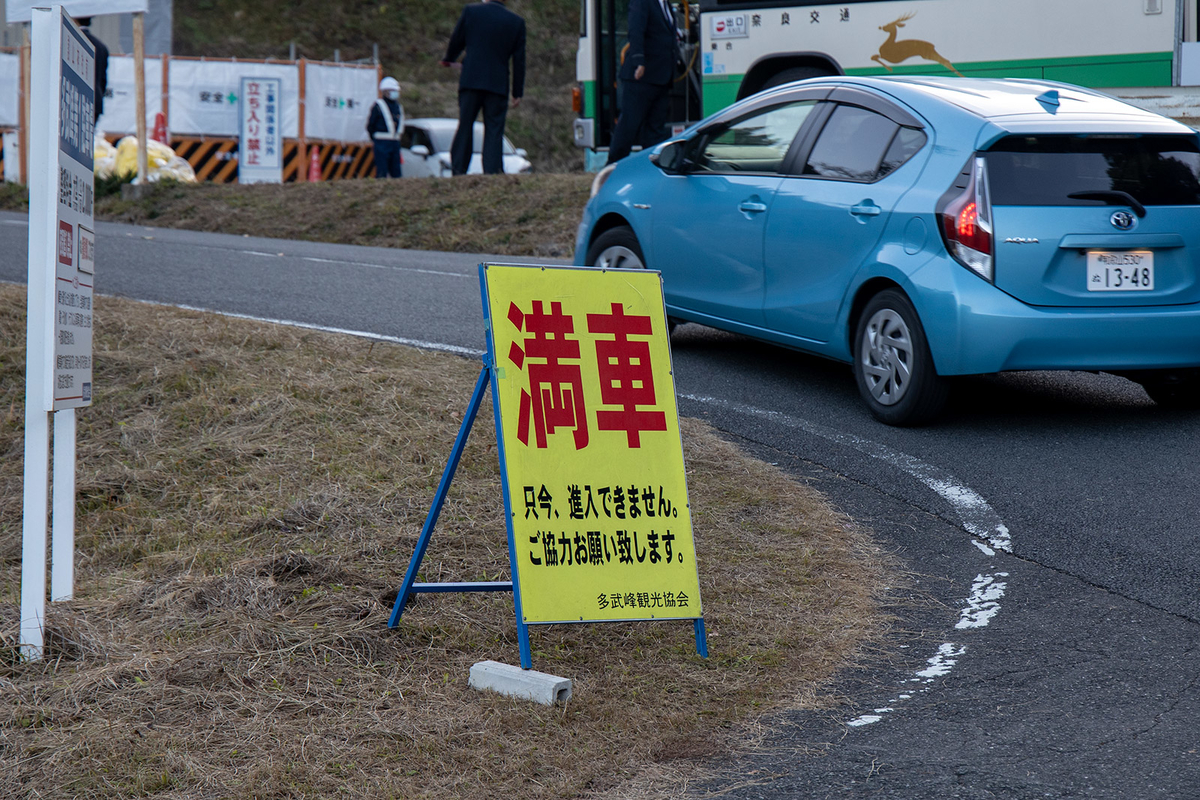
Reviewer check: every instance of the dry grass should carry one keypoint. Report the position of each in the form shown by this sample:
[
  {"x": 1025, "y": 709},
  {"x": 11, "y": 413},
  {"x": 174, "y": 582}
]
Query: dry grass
[
  {"x": 534, "y": 215},
  {"x": 248, "y": 500}
]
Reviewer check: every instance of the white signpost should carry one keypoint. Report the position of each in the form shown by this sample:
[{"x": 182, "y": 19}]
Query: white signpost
[
  {"x": 58, "y": 370},
  {"x": 260, "y": 140}
]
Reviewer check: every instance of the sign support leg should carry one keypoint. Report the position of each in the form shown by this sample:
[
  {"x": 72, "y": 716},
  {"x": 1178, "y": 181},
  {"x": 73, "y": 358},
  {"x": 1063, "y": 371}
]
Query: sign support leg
[
  {"x": 523, "y": 644},
  {"x": 33, "y": 542},
  {"x": 701, "y": 638},
  {"x": 62, "y": 514},
  {"x": 439, "y": 499}
]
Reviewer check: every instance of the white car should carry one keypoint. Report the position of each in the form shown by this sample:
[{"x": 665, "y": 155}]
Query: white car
[{"x": 425, "y": 150}]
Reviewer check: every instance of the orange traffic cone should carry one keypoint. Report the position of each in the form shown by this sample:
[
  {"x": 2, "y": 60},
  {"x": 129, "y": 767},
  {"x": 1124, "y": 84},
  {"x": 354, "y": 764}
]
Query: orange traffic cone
[
  {"x": 314, "y": 166},
  {"x": 160, "y": 128}
]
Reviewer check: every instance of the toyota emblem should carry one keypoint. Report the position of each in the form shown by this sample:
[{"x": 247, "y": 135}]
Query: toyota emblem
[{"x": 1122, "y": 220}]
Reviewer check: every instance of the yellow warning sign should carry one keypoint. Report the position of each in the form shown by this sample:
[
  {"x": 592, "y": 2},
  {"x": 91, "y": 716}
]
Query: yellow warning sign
[{"x": 592, "y": 457}]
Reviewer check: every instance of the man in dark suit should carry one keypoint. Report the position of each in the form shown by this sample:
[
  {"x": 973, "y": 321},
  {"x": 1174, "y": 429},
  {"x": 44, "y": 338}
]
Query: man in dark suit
[
  {"x": 101, "y": 77},
  {"x": 492, "y": 36},
  {"x": 646, "y": 76}
]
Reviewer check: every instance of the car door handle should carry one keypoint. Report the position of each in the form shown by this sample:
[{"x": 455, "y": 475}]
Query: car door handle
[
  {"x": 750, "y": 207},
  {"x": 866, "y": 209}
]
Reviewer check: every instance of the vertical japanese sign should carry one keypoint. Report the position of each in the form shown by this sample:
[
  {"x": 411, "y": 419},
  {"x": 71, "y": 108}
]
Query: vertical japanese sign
[
  {"x": 592, "y": 458},
  {"x": 75, "y": 237},
  {"x": 260, "y": 146},
  {"x": 58, "y": 340}
]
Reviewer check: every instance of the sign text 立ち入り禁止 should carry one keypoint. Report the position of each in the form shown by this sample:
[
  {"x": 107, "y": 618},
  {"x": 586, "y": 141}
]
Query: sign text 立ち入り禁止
[{"x": 260, "y": 140}]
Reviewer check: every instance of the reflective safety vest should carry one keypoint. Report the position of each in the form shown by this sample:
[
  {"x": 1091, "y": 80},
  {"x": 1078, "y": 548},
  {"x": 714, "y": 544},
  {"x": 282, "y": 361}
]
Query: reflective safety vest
[{"x": 394, "y": 126}]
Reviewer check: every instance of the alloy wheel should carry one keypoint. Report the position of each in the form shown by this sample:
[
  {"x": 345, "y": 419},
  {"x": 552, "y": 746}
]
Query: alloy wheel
[
  {"x": 886, "y": 356},
  {"x": 619, "y": 257}
]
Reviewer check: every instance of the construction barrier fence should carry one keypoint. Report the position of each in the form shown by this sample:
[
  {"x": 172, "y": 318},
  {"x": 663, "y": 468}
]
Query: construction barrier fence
[
  {"x": 322, "y": 104},
  {"x": 215, "y": 159}
]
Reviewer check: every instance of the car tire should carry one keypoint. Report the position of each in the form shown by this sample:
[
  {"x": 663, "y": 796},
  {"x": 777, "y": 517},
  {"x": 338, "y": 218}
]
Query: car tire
[
  {"x": 793, "y": 74},
  {"x": 618, "y": 248},
  {"x": 892, "y": 363},
  {"x": 1177, "y": 389}
]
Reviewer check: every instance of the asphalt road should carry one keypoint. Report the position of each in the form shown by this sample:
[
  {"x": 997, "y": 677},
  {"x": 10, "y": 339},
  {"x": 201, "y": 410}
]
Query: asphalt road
[{"x": 1051, "y": 519}]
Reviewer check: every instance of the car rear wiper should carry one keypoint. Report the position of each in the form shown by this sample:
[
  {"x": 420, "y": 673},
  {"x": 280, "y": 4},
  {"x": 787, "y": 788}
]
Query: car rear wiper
[{"x": 1114, "y": 197}]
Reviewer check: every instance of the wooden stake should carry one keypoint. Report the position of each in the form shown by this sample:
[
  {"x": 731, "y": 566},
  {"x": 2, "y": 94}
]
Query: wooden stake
[
  {"x": 139, "y": 80},
  {"x": 301, "y": 137},
  {"x": 23, "y": 109},
  {"x": 165, "y": 60}
]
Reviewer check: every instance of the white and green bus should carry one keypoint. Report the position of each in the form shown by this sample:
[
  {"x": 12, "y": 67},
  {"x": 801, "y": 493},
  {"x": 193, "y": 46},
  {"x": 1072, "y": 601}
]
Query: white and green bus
[{"x": 732, "y": 48}]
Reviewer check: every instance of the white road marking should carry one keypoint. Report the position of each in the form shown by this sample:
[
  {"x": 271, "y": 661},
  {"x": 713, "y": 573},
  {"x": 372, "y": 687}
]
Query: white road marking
[
  {"x": 984, "y": 602},
  {"x": 865, "y": 719},
  {"x": 379, "y": 337},
  {"x": 941, "y": 663},
  {"x": 385, "y": 266},
  {"x": 314, "y": 259},
  {"x": 390, "y": 267},
  {"x": 977, "y": 518}
]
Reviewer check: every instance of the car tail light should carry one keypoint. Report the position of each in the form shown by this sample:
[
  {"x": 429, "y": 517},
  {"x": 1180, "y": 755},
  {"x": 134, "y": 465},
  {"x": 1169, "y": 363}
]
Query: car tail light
[
  {"x": 577, "y": 100},
  {"x": 965, "y": 212}
]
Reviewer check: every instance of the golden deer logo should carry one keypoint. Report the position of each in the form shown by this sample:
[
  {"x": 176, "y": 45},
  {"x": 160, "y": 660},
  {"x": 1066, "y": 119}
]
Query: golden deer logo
[{"x": 895, "y": 52}]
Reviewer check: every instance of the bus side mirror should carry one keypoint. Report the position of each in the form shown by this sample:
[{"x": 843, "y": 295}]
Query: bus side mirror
[{"x": 670, "y": 158}]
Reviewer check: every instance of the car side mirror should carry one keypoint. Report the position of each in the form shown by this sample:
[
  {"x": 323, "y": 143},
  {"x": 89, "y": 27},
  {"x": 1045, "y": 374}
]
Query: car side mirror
[
  {"x": 670, "y": 158},
  {"x": 522, "y": 152},
  {"x": 420, "y": 150}
]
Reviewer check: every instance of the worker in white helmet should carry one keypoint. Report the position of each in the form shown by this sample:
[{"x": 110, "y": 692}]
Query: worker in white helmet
[{"x": 385, "y": 125}]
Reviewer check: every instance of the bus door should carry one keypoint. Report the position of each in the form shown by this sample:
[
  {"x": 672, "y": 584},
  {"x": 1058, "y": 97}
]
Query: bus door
[{"x": 613, "y": 25}]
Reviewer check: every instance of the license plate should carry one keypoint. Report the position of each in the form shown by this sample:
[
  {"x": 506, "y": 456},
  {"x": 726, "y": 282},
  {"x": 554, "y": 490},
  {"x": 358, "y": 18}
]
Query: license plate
[{"x": 1120, "y": 270}]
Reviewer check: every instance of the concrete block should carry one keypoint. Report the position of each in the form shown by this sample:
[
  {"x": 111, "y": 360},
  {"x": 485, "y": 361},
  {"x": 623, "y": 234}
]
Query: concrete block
[{"x": 526, "y": 684}]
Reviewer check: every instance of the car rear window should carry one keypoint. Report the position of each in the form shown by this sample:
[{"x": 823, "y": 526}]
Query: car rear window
[
  {"x": 851, "y": 145},
  {"x": 860, "y": 145},
  {"x": 1045, "y": 170},
  {"x": 905, "y": 145}
]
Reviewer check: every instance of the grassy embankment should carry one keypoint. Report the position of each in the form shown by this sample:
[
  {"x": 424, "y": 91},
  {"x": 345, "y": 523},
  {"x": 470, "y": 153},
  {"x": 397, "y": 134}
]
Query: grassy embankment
[{"x": 527, "y": 215}]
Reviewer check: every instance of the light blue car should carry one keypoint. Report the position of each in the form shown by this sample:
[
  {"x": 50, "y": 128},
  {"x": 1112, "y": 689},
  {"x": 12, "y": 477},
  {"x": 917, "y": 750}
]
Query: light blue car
[{"x": 920, "y": 228}]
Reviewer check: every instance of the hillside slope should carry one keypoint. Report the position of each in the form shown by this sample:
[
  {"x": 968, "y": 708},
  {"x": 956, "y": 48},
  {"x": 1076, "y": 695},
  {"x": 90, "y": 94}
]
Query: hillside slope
[{"x": 411, "y": 35}]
